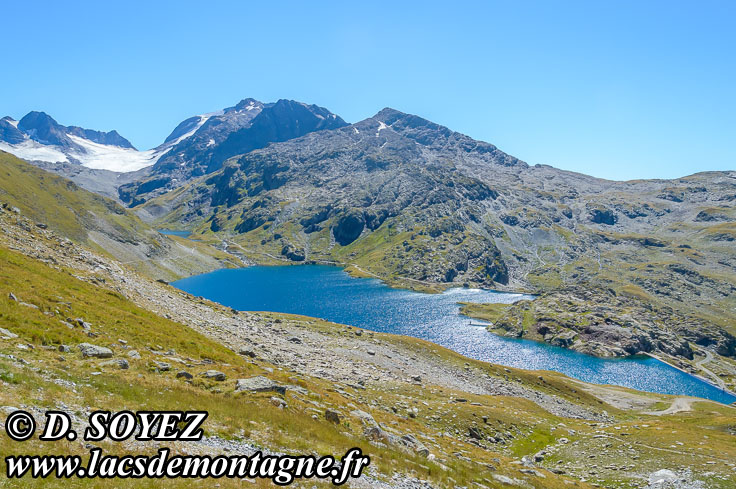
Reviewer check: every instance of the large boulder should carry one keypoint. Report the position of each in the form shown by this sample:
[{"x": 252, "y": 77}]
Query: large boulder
[
  {"x": 94, "y": 351},
  {"x": 120, "y": 363},
  {"x": 214, "y": 375},
  {"x": 5, "y": 334},
  {"x": 259, "y": 384},
  {"x": 661, "y": 476}
]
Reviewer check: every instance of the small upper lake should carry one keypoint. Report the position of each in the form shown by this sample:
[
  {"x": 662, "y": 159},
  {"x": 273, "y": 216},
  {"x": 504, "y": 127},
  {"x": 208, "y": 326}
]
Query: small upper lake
[
  {"x": 173, "y": 232},
  {"x": 330, "y": 293}
]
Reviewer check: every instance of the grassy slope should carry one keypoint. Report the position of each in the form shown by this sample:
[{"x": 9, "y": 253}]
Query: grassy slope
[
  {"x": 59, "y": 203},
  {"x": 251, "y": 417},
  {"x": 100, "y": 223},
  {"x": 232, "y": 415}
]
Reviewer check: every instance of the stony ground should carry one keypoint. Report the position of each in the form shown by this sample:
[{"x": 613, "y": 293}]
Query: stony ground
[{"x": 586, "y": 432}]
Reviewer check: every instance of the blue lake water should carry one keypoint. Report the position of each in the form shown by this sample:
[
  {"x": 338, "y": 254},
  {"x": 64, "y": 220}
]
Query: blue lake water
[
  {"x": 330, "y": 293},
  {"x": 173, "y": 232}
]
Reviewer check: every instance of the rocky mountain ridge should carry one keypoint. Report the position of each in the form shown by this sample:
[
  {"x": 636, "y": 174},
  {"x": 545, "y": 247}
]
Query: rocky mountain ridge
[
  {"x": 42, "y": 128},
  {"x": 427, "y": 417},
  {"x": 213, "y": 138},
  {"x": 405, "y": 199},
  {"x": 419, "y": 205}
]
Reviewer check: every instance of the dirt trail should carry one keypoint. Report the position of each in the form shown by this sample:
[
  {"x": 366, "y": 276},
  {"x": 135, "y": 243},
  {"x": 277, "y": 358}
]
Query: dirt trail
[
  {"x": 681, "y": 404},
  {"x": 701, "y": 365}
]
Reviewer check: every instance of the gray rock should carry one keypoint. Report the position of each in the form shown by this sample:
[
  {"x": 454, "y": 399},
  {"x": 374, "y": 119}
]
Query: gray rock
[
  {"x": 162, "y": 366},
  {"x": 120, "y": 363},
  {"x": 134, "y": 355},
  {"x": 214, "y": 375},
  {"x": 5, "y": 334},
  {"x": 247, "y": 353},
  {"x": 533, "y": 472},
  {"x": 662, "y": 476},
  {"x": 365, "y": 418},
  {"x": 298, "y": 389},
  {"x": 89, "y": 350},
  {"x": 278, "y": 402},
  {"x": 183, "y": 374},
  {"x": 259, "y": 384},
  {"x": 507, "y": 480},
  {"x": 65, "y": 348}
]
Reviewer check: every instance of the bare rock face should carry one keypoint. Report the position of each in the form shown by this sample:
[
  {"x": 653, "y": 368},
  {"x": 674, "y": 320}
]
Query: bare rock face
[
  {"x": 293, "y": 253},
  {"x": 349, "y": 227},
  {"x": 201, "y": 144},
  {"x": 602, "y": 215}
]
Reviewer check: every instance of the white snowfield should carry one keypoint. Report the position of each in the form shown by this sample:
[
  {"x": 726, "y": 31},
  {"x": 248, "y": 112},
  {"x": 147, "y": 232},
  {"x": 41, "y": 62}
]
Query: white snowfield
[
  {"x": 102, "y": 157},
  {"x": 31, "y": 150},
  {"x": 95, "y": 155}
]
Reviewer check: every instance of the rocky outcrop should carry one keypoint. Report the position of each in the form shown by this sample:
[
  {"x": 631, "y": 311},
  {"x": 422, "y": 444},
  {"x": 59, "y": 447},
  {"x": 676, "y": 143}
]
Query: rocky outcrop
[
  {"x": 348, "y": 227},
  {"x": 603, "y": 323}
]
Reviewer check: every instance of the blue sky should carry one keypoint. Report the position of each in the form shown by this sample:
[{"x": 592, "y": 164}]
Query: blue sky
[{"x": 619, "y": 90}]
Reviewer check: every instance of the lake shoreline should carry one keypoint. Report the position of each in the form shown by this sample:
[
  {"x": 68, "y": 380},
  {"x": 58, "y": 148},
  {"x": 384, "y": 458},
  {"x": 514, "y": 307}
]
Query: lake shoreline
[
  {"x": 699, "y": 377},
  {"x": 329, "y": 292}
]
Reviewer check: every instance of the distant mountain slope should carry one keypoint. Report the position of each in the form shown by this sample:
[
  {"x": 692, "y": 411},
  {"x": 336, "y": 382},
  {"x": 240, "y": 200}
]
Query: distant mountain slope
[
  {"x": 413, "y": 202},
  {"x": 197, "y": 146},
  {"x": 96, "y": 221},
  {"x": 213, "y": 138},
  {"x": 38, "y": 137}
]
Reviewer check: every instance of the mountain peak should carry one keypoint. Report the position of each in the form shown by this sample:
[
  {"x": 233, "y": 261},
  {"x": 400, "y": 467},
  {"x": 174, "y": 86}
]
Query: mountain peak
[
  {"x": 9, "y": 132},
  {"x": 43, "y": 128},
  {"x": 388, "y": 113},
  {"x": 35, "y": 118},
  {"x": 248, "y": 104}
]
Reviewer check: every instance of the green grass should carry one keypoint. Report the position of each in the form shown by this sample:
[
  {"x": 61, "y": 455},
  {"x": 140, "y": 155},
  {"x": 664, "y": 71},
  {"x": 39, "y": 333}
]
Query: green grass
[
  {"x": 59, "y": 295},
  {"x": 60, "y": 203}
]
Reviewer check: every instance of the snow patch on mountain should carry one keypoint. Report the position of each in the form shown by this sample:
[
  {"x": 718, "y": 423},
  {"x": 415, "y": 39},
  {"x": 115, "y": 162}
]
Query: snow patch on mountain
[
  {"x": 381, "y": 126},
  {"x": 30, "y": 150},
  {"x": 114, "y": 158},
  {"x": 95, "y": 155},
  {"x": 202, "y": 119}
]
